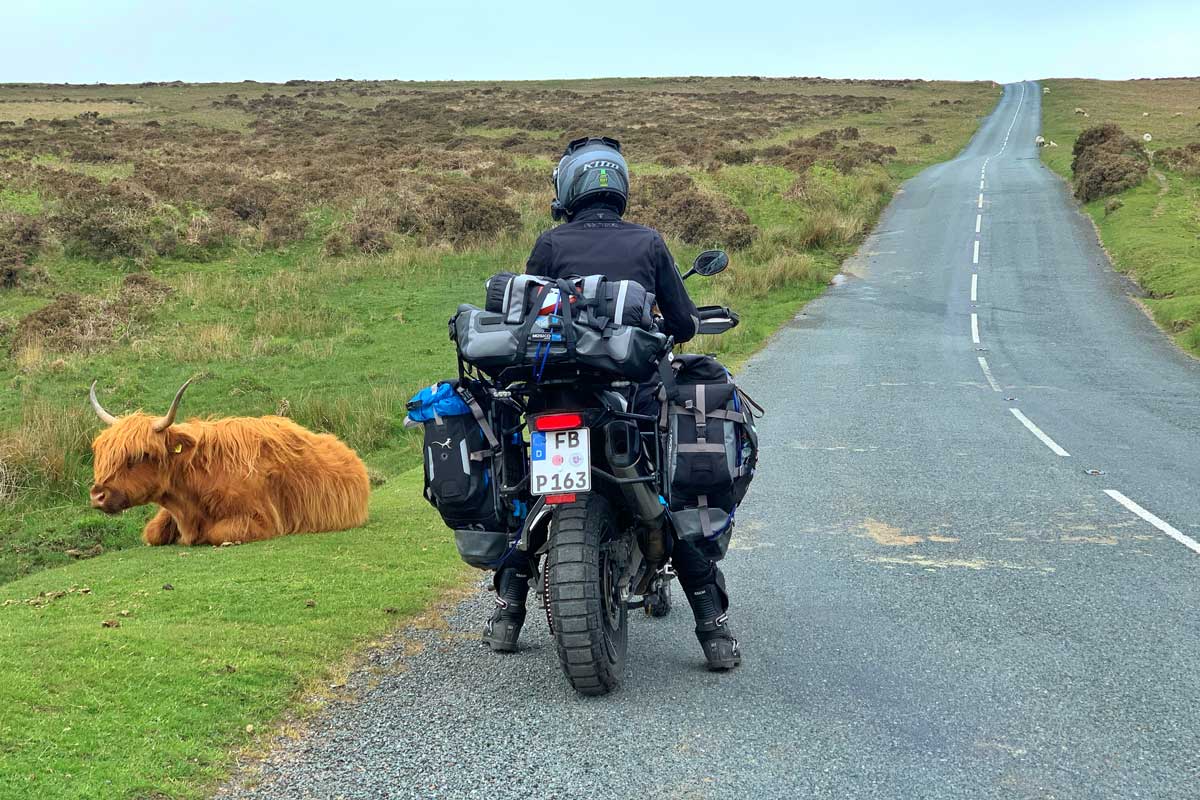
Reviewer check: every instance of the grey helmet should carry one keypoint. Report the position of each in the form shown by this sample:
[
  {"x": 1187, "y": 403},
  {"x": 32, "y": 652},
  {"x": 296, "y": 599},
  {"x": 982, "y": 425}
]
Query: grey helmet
[{"x": 590, "y": 167}]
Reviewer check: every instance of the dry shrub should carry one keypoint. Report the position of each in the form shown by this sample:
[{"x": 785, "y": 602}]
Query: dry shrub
[
  {"x": 116, "y": 221},
  {"x": 1185, "y": 159},
  {"x": 1106, "y": 161},
  {"x": 250, "y": 201},
  {"x": 452, "y": 212},
  {"x": 20, "y": 239},
  {"x": 461, "y": 214},
  {"x": 75, "y": 323},
  {"x": 674, "y": 205},
  {"x": 284, "y": 222}
]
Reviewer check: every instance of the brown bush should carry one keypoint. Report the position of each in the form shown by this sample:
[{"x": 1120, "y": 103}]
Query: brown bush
[
  {"x": 284, "y": 222},
  {"x": 75, "y": 323},
  {"x": 250, "y": 201},
  {"x": 1106, "y": 161},
  {"x": 1185, "y": 159},
  {"x": 20, "y": 238},
  {"x": 466, "y": 213},
  {"x": 674, "y": 205}
]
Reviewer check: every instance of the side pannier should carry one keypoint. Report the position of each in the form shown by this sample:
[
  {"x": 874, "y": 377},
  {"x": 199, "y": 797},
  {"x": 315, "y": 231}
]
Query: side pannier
[
  {"x": 712, "y": 449},
  {"x": 460, "y": 452}
]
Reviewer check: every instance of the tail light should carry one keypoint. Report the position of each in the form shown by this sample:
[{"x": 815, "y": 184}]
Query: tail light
[{"x": 558, "y": 422}]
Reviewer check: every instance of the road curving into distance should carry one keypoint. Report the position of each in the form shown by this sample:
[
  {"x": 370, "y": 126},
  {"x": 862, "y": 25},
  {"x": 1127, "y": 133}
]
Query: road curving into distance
[{"x": 968, "y": 567}]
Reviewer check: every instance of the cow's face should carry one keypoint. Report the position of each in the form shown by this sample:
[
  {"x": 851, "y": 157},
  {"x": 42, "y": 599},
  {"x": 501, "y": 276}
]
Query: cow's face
[
  {"x": 135, "y": 456},
  {"x": 131, "y": 465}
]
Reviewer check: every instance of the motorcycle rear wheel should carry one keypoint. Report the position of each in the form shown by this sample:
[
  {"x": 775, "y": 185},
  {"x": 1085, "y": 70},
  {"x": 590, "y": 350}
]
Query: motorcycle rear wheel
[{"x": 584, "y": 564}]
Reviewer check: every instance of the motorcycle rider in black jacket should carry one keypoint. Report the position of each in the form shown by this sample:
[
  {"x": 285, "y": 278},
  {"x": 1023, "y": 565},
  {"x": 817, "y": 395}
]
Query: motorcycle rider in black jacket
[{"x": 591, "y": 192}]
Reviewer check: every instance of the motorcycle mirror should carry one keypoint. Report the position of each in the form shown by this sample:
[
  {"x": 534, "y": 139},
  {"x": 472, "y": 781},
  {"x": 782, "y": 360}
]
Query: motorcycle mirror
[{"x": 709, "y": 263}]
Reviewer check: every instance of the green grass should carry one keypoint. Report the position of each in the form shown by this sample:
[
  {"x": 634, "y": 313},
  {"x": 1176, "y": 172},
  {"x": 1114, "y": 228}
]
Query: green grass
[
  {"x": 152, "y": 708},
  {"x": 1154, "y": 234}
]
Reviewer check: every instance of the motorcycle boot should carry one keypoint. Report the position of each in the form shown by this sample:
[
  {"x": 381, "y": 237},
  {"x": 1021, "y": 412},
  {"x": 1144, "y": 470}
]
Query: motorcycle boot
[
  {"x": 504, "y": 626},
  {"x": 709, "y": 603}
]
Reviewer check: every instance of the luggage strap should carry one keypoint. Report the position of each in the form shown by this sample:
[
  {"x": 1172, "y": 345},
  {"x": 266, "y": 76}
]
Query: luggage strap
[{"x": 477, "y": 413}]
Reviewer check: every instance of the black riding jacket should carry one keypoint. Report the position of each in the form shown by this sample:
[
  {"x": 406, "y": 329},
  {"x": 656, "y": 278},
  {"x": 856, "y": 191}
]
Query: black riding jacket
[{"x": 598, "y": 242}]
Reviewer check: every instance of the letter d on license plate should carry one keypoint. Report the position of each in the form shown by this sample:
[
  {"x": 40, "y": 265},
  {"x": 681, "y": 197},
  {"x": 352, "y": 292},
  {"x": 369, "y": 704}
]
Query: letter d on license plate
[{"x": 560, "y": 461}]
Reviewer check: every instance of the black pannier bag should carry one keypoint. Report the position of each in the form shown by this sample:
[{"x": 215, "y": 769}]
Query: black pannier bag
[
  {"x": 459, "y": 451},
  {"x": 712, "y": 449},
  {"x": 538, "y": 323}
]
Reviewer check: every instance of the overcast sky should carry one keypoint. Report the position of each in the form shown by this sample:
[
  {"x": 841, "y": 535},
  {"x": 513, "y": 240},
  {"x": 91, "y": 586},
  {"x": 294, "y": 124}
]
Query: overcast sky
[{"x": 87, "y": 41}]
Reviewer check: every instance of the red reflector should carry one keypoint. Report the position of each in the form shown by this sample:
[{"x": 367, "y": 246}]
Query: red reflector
[
  {"x": 559, "y": 499},
  {"x": 558, "y": 422}
]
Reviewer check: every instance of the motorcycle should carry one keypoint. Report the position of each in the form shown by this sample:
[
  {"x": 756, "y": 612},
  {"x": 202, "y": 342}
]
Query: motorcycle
[{"x": 585, "y": 470}]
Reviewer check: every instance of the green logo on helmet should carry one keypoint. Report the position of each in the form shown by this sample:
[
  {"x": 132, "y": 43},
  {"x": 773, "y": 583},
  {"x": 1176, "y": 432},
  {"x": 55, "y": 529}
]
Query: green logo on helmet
[{"x": 604, "y": 177}]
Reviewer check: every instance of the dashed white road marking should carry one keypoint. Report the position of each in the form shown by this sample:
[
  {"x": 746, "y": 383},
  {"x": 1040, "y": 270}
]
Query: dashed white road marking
[
  {"x": 978, "y": 222},
  {"x": 1014, "y": 120},
  {"x": 980, "y": 183},
  {"x": 1165, "y": 527},
  {"x": 975, "y": 255},
  {"x": 974, "y": 287},
  {"x": 987, "y": 373},
  {"x": 981, "y": 199},
  {"x": 1036, "y": 431},
  {"x": 975, "y": 328}
]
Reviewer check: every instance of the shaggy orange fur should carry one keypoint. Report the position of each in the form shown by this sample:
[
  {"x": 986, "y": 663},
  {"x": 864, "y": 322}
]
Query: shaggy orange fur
[{"x": 229, "y": 480}]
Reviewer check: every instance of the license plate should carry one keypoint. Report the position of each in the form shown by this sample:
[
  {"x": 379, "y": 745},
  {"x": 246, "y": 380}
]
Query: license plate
[{"x": 560, "y": 461}]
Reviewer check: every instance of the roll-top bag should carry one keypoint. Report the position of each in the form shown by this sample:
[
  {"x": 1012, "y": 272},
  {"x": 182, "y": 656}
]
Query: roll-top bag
[{"x": 542, "y": 325}]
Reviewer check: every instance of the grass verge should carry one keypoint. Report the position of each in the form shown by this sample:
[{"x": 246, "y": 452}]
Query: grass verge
[
  {"x": 1151, "y": 231},
  {"x": 152, "y": 706}
]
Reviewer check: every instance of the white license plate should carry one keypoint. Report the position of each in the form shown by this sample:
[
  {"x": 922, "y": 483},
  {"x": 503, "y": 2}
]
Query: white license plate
[{"x": 560, "y": 462}]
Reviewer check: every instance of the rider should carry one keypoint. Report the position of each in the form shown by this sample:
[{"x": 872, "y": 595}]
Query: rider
[{"x": 591, "y": 186}]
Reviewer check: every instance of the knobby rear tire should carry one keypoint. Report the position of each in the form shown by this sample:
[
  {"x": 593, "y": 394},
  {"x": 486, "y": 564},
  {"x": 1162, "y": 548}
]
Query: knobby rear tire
[{"x": 590, "y": 631}]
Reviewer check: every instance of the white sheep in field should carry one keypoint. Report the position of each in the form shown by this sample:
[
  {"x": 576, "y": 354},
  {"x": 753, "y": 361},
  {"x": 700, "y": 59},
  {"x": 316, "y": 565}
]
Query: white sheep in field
[
  {"x": 1051, "y": 143},
  {"x": 1145, "y": 113},
  {"x": 1040, "y": 141},
  {"x": 1147, "y": 137},
  {"x": 1079, "y": 110}
]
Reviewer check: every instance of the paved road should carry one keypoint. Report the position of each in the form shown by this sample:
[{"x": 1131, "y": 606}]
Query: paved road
[{"x": 935, "y": 599}]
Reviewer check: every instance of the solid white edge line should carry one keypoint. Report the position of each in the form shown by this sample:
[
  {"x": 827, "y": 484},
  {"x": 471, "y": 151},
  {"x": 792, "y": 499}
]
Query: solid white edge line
[
  {"x": 987, "y": 373},
  {"x": 975, "y": 328},
  {"x": 978, "y": 222},
  {"x": 1165, "y": 527},
  {"x": 1036, "y": 431},
  {"x": 975, "y": 255},
  {"x": 975, "y": 287}
]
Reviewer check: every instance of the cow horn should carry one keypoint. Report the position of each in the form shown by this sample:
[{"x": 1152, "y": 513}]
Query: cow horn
[
  {"x": 162, "y": 423},
  {"x": 106, "y": 417}
]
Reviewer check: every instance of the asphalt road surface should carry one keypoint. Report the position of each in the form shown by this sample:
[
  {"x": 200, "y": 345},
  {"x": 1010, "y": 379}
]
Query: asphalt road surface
[{"x": 935, "y": 596}]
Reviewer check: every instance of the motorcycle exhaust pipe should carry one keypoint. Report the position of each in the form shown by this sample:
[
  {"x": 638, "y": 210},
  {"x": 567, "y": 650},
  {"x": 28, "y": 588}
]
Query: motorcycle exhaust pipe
[{"x": 623, "y": 450}]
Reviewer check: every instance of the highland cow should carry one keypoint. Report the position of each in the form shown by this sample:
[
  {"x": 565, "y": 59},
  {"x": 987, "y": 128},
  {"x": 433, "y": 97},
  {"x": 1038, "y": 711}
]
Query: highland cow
[{"x": 226, "y": 480}]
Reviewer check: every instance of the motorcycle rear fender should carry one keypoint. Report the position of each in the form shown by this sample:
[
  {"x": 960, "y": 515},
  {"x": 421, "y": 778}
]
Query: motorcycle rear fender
[{"x": 537, "y": 525}]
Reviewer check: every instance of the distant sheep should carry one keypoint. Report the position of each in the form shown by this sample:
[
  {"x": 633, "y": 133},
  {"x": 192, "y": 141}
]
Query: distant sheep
[
  {"x": 1079, "y": 110},
  {"x": 1040, "y": 141},
  {"x": 1145, "y": 113},
  {"x": 1051, "y": 143},
  {"x": 1147, "y": 137}
]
